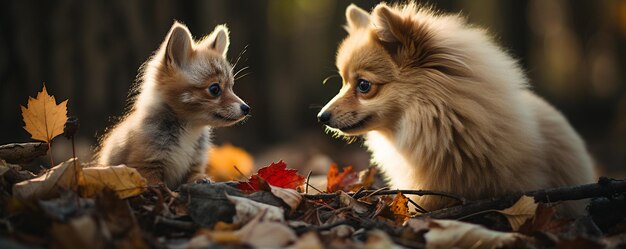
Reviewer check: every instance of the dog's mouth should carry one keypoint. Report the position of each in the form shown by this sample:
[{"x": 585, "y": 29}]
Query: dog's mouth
[
  {"x": 227, "y": 119},
  {"x": 357, "y": 125}
]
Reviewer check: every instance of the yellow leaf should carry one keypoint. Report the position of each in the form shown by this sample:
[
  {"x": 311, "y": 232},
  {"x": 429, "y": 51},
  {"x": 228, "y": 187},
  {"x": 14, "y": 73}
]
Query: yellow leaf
[
  {"x": 125, "y": 181},
  {"x": 222, "y": 162},
  {"x": 522, "y": 210},
  {"x": 400, "y": 207},
  {"x": 61, "y": 176},
  {"x": 44, "y": 119}
]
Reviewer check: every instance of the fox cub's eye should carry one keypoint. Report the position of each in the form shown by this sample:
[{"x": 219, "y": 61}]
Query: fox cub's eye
[
  {"x": 363, "y": 86},
  {"x": 215, "y": 90}
]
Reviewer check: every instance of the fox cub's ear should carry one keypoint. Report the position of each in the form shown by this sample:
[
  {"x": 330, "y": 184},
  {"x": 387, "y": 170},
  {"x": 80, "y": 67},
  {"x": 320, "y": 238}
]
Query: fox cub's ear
[
  {"x": 218, "y": 40},
  {"x": 389, "y": 25},
  {"x": 179, "y": 44},
  {"x": 357, "y": 18}
]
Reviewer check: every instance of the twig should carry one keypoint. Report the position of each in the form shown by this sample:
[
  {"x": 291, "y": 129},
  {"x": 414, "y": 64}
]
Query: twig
[
  {"x": 50, "y": 152},
  {"x": 604, "y": 188},
  {"x": 308, "y": 178},
  {"x": 389, "y": 192}
]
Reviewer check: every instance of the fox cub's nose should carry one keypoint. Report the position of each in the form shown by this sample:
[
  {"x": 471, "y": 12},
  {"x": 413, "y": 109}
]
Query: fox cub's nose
[
  {"x": 245, "y": 109},
  {"x": 323, "y": 117}
]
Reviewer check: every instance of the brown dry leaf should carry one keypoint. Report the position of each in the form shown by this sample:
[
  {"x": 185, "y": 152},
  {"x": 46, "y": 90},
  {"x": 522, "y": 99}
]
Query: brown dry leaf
[
  {"x": 456, "y": 234},
  {"x": 400, "y": 208},
  {"x": 544, "y": 220},
  {"x": 247, "y": 209},
  {"x": 291, "y": 197},
  {"x": 309, "y": 240},
  {"x": 378, "y": 239},
  {"x": 347, "y": 201},
  {"x": 125, "y": 181},
  {"x": 222, "y": 162},
  {"x": 521, "y": 211},
  {"x": 46, "y": 185},
  {"x": 266, "y": 234},
  {"x": 44, "y": 119}
]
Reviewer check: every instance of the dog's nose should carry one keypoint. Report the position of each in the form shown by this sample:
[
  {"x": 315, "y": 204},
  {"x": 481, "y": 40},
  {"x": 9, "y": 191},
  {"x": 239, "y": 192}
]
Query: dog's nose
[
  {"x": 245, "y": 109},
  {"x": 323, "y": 117}
]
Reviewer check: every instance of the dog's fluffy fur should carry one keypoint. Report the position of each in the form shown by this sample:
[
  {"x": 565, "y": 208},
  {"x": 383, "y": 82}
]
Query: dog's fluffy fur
[
  {"x": 449, "y": 110},
  {"x": 166, "y": 133}
]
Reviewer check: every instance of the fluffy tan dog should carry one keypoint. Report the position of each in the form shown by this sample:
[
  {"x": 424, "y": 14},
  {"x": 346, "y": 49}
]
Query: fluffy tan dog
[{"x": 442, "y": 107}]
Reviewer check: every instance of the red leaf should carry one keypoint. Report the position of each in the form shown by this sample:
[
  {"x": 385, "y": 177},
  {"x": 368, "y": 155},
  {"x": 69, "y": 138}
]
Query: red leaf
[
  {"x": 340, "y": 181},
  {"x": 277, "y": 174}
]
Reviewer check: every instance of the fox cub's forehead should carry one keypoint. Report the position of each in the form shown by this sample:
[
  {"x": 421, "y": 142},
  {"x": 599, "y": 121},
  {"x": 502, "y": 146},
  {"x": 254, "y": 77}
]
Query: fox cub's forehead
[{"x": 210, "y": 66}]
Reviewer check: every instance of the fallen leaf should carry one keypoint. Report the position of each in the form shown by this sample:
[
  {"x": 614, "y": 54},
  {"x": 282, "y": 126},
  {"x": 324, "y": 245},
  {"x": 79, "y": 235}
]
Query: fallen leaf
[
  {"x": 291, "y": 197},
  {"x": 223, "y": 226},
  {"x": 342, "y": 231},
  {"x": 247, "y": 209},
  {"x": 118, "y": 219},
  {"x": 417, "y": 225},
  {"x": 261, "y": 233},
  {"x": 347, "y": 201},
  {"x": 44, "y": 119},
  {"x": 544, "y": 220},
  {"x": 125, "y": 181},
  {"x": 275, "y": 174},
  {"x": 48, "y": 184},
  {"x": 197, "y": 242},
  {"x": 400, "y": 208},
  {"x": 378, "y": 239},
  {"x": 366, "y": 179},
  {"x": 340, "y": 181},
  {"x": 521, "y": 211},
  {"x": 309, "y": 240},
  {"x": 456, "y": 234},
  {"x": 222, "y": 162}
]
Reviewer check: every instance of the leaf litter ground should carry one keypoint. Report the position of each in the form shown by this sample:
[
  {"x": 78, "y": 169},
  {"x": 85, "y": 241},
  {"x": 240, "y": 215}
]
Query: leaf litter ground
[{"x": 274, "y": 213}]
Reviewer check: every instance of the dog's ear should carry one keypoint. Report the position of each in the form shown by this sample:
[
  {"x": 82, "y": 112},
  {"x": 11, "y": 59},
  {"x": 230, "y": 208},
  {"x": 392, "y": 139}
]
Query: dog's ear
[
  {"x": 390, "y": 27},
  {"x": 218, "y": 40},
  {"x": 357, "y": 18},
  {"x": 179, "y": 44}
]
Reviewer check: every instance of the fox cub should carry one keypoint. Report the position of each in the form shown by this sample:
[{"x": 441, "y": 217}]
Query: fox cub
[
  {"x": 185, "y": 88},
  {"x": 442, "y": 107}
]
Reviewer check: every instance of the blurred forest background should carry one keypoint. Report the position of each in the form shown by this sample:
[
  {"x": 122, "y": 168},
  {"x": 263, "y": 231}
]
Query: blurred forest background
[{"x": 89, "y": 52}]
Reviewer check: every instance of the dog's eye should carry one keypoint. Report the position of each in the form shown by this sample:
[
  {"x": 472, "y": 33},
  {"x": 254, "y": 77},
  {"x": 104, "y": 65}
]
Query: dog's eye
[
  {"x": 363, "y": 86},
  {"x": 215, "y": 90}
]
